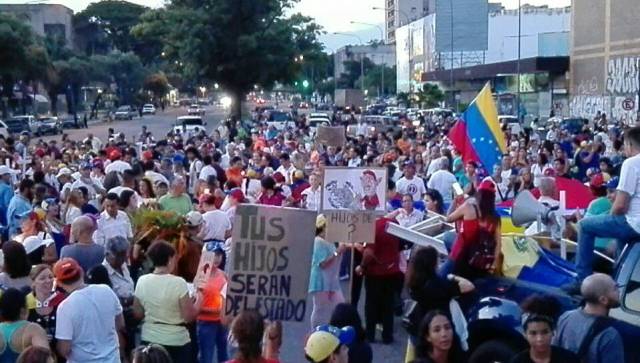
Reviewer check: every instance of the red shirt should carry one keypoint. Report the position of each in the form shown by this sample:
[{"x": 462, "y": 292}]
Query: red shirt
[
  {"x": 276, "y": 199},
  {"x": 382, "y": 257}
]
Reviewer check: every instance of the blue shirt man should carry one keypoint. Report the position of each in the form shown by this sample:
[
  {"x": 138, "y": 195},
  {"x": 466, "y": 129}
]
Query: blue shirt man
[
  {"x": 6, "y": 192},
  {"x": 19, "y": 206}
]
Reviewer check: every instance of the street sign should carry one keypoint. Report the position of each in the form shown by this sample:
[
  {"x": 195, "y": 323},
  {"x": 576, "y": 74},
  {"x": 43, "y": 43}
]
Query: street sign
[{"x": 628, "y": 104}]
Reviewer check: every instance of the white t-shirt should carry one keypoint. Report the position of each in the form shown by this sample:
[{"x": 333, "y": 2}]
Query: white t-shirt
[
  {"x": 415, "y": 187},
  {"x": 286, "y": 172},
  {"x": 442, "y": 181},
  {"x": 88, "y": 319},
  {"x": 312, "y": 198},
  {"x": 538, "y": 172},
  {"x": 630, "y": 184},
  {"x": 206, "y": 172},
  {"x": 216, "y": 223},
  {"x": 117, "y": 165}
]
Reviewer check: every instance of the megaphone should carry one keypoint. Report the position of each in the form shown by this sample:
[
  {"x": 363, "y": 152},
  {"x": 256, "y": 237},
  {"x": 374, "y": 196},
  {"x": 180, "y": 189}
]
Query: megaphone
[{"x": 526, "y": 209}]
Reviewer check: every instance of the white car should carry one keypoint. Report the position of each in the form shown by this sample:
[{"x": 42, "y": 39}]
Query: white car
[
  {"x": 314, "y": 123},
  {"x": 148, "y": 109},
  {"x": 195, "y": 110},
  {"x": 189, "y": 125}
]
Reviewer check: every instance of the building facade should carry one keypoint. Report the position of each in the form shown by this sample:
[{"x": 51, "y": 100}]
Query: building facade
[
  {"x": 402, "y": 12},
  {"x": 544, "y": 51},
  {"x": 378, "y": 54},
  {"x": 45, "y": 19},
  {"x": 605, "y": 59}
]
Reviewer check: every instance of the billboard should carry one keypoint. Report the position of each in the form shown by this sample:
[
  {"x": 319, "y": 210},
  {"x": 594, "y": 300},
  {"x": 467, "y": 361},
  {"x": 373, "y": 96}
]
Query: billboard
[
  {"x": 466, "y": 22},
  {"x": 403, "y": 71}
]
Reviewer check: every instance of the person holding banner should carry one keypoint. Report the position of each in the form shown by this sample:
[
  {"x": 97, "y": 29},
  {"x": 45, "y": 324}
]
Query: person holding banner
[{"x": 324, "y": 281}]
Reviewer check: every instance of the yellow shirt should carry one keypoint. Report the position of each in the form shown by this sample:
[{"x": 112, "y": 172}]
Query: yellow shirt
[{"x": 160, "y": 296}]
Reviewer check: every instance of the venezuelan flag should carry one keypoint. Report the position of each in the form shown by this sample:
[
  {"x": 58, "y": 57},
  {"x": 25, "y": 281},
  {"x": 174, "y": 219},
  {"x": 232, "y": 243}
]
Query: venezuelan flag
[{"x": 478, "y": 135}]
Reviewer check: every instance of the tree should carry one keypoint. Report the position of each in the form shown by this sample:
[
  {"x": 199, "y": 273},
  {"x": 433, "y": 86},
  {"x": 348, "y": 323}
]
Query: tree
[
  {"x": 15, "y": 40},
  {"x": 429, "y": 96},
  {"x": 235, "y": 43},
  {"x": 123, "y": 69},
  {"x": 373, "y": 80},
  {"x": 157, "y": 84},
  {"x": 106, "y": 25},
  {"x": 351, "y": 77}
]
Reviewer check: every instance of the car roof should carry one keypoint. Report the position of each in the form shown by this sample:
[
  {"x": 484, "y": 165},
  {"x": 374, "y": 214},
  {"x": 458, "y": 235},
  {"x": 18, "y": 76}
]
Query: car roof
[{"x": 191, "y": 117}]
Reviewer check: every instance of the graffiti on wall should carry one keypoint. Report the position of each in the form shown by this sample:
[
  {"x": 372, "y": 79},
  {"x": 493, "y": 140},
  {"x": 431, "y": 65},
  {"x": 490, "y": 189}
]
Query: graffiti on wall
[
  {"x": 622, "y": 75},
  {"x": 616, "y": 107},
  {"x": 588, "y": 86}
]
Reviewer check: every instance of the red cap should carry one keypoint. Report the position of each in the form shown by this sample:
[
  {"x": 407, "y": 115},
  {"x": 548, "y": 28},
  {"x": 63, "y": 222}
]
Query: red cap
[
  {"x": 147, "y": 155},
  {"x": 67, "y": 269},
  {"x": 597, "y": 180},
  {"x": 487, "y": 185},
  {"x": 549, "y": 172},
  {"x": 371, "y": 173},
  {"x": 40, "y": 152},
  {"x": 237, "y": 194},
  {"x": 115, "y": 155},
  {"x": 278, "y": 177}
]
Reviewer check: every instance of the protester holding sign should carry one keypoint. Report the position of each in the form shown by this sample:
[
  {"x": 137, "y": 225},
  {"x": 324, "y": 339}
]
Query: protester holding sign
[{"x": 324, "y": 282}]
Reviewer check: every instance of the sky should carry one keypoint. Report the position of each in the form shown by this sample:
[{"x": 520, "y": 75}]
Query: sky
[{"x": 333, "y": 15}]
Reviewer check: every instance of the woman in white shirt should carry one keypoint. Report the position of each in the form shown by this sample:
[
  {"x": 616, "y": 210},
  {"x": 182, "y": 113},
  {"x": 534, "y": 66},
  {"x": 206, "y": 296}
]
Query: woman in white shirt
[
  {"x": 74, "y": 205},
  {"x": 539, "y": 167}
]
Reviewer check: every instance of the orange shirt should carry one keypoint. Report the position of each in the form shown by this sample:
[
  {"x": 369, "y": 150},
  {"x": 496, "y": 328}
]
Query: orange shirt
[
  {"x": 214, "y": 293},
  {"x": 404, "y": 145},
  {"x": 235, "y": 174}
]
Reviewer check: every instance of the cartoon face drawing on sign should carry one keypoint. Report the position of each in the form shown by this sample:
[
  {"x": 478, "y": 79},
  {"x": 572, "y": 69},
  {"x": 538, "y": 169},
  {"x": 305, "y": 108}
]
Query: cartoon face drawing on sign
[
  {"x": 342, "y": 197},
  {"x": 370, "y": 183}
]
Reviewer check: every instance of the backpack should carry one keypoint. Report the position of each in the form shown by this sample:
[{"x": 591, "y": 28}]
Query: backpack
[
  {"x": 599, "y": 325},
  {"x": 482, "y": 253}
]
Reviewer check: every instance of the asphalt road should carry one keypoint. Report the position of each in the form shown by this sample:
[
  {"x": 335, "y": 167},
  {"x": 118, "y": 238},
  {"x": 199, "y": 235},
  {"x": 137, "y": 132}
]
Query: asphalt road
[
  {"x": 159, "y": 124},
  {"x": 294, "y": 333}
]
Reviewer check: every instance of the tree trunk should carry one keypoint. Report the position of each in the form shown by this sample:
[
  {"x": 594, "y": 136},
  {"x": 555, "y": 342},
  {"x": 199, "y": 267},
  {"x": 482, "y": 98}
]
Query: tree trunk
[
  {"x": 236, "y": 105},
  {"x": 94, "y": 107},
  {"x": 53, "y": 96}
]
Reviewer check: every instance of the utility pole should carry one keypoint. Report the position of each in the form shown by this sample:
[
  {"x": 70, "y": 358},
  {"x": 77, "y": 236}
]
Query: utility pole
[
  {"x": 519, "y": 54},
  {"x": 451, "y": 70}
]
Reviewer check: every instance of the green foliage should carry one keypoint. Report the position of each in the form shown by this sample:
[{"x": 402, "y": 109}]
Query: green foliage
[
  {"x": 157, "y": 84},
  {"x": 15, "y": 40},
  {"x": 124, "y": 69},
  {"x": 351, "y": 78},
  {"x": 107, "y": 24},
  {"x": 235, "y": 43},
  {"x": 429, "y": 96},
  {"x": 373, "y": 79}
]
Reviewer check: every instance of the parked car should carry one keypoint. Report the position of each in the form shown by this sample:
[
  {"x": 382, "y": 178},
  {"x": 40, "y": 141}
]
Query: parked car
[
  {"x": 48, "y": 125},
  {"x": 19, "y": 124},
  {"x": 195, "y": 110},
  {"x": 68, "y": 122},
  {"x": 148, "y": 109},
  {"x": 315, "y": 122},
  {"x": 125, "y": 113}
]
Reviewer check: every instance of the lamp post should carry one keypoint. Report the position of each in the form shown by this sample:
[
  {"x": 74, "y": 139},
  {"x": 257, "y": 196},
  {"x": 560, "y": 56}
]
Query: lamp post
[
  {"x": 519, "y": 55},
  {"x": 382, "y": 65},
  {"x": 361, "y": 56}
]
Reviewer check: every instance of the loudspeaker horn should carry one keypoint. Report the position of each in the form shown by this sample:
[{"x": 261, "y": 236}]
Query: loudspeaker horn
[{"x": 526, "y": 209}]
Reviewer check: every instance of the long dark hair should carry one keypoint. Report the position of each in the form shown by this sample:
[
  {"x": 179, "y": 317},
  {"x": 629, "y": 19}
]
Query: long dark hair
[
  {"x": 437, "y": 199},
  {"x": 422, "y": 267},
  {"x": 248, "y": 328},
  {"x": 423, "y": 347},
  {"x": 487, "y": 205},
  {"x": 346, "y": 315}
]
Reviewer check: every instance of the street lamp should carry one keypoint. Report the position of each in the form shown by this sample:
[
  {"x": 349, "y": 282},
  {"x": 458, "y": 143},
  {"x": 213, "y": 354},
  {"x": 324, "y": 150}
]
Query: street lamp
[
  {"x": 202, "y": 90},
  {"x": 361, "y": 56},
  {"x": 215, "y": 85},
  {"x": 382, "y": 66}
]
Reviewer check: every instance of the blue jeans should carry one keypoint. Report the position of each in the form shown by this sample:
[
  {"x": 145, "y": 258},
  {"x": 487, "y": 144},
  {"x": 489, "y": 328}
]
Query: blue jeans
[
  {"x": 212, "y": 336},
  {"x": 448, "y": 266},
  {"x": 600, "y": 226}
]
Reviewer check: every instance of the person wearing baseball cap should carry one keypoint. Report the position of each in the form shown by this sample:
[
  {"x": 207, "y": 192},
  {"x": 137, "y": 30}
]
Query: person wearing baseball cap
[
  {"x": 88, "y": 320},
  {"x": 328, "y": 344}
]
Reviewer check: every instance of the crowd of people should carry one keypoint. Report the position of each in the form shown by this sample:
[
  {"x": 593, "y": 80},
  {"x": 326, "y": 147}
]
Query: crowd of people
[{"x": 82, "y": 283}]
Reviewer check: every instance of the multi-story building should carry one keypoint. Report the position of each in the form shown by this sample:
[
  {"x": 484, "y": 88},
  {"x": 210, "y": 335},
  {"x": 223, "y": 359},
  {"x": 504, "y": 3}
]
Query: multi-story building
[
  {"x": 378, "y": 54},
  {"x": 605, "y": 59},
  {"x": 45, "y": 19},
  {"x": 542, "y": 62},
  {"x": 401, "y": 12}
]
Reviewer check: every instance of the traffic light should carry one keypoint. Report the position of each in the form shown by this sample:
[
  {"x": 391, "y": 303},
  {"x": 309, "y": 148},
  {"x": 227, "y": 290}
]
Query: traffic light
[
  {"x": 305, "y": 83},
  {"x": 295, "y": 83}
]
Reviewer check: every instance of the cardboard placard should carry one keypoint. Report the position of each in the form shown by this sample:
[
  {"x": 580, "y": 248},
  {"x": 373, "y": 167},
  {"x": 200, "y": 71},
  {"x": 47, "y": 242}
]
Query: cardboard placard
[
  {"x": 354, "y": 189},
  {"x": 269, "y": 263},
  {"x": 204, "y": 269},
  {"x": 351, "y": 227},
  {"x": 331, "y": 135}
]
